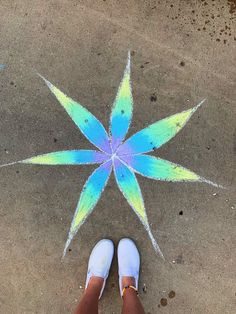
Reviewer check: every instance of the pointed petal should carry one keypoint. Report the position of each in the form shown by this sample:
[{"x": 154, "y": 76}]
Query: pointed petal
[
  {"x": 156, "y": 134},
  {"x": 89, "y": 197},
  {"x": 68, "y": 157},
  {"x": 122, "y": 109},
  {"x": 88, "y": 124},
  {"x": 129, "y": 187},
  {"x": 160, "y": 169}
]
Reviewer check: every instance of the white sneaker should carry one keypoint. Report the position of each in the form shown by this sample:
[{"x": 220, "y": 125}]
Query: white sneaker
[
  {"x": 100, "y": 261},
  {"x": 128, "y": 261}
]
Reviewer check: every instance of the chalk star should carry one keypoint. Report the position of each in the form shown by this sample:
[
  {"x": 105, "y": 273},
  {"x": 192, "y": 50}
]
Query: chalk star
[{"x": 125, "y": 157}]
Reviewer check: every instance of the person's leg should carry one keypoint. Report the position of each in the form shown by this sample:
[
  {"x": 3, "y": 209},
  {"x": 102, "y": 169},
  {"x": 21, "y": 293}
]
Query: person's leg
[
  {"x": 98, "y": 270},
  {"x": 131, "y": 301},
  {"x": 129, "y": 264},
  {"x": 89, "y": 302}
]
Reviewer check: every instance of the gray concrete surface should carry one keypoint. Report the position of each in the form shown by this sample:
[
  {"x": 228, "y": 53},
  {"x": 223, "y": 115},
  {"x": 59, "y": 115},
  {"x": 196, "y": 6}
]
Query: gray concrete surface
[{"x": 182, "y": 51}]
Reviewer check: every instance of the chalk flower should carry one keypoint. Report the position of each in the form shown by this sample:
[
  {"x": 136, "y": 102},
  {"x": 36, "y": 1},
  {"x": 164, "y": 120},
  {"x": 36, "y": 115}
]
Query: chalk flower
[{"x": 124, "y": 156}]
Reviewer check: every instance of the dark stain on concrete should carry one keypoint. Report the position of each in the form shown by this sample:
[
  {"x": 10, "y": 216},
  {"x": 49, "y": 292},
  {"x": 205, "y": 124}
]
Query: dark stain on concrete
[
  {"x": 171, "y": 294},
  {"x": 207, "y": 17},
  {"x": 232, "y": 6},
  {"x": 163, "y": 301},
  {"x": 153, "y": 97}
]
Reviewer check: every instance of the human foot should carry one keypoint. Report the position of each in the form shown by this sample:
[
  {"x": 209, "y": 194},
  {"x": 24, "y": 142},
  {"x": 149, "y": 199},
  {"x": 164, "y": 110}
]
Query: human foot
[
  {"x": 99, "y": 265},
  {"x": 129, "y": 264}
]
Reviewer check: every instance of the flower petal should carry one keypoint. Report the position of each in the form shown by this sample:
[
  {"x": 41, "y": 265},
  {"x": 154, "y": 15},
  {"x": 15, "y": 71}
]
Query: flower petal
[
  {"x": 157, "y": 134},
  {"x": 68, "y": 157},
  {"x": 89, "y": 197},
  {"x": 88, "y": 124},
  {"x": 122, "y": 109},
  {"x": 129, "y": 187},
  {"x": 160, "y": 169}
]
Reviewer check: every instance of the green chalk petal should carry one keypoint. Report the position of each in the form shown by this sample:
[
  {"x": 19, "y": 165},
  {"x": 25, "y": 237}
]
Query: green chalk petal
[
  {"x": 157, "y": 134},
  {"x": 68, "y": 157},
  {"x": 129, "y": 187},
  {"x": 89, "y": 197},
  {"x": 160, "y": 169},
  {"x": 122, "y": 109},
  {"x": 88, "y": 124}
]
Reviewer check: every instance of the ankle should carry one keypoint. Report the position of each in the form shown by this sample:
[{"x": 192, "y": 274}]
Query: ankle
[
  {"x": 128, "y": 281},
  {"x": 95, "y": 285}
]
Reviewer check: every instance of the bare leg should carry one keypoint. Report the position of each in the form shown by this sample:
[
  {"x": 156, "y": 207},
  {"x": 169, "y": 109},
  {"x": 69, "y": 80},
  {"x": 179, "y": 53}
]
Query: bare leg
[
  {"x": 131, "y": 302},
  {"x": 89, "y": 302}
]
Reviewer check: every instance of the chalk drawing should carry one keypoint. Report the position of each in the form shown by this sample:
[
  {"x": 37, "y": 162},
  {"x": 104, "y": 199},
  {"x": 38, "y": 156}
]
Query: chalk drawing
[{"x": 124, "y": 157}]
